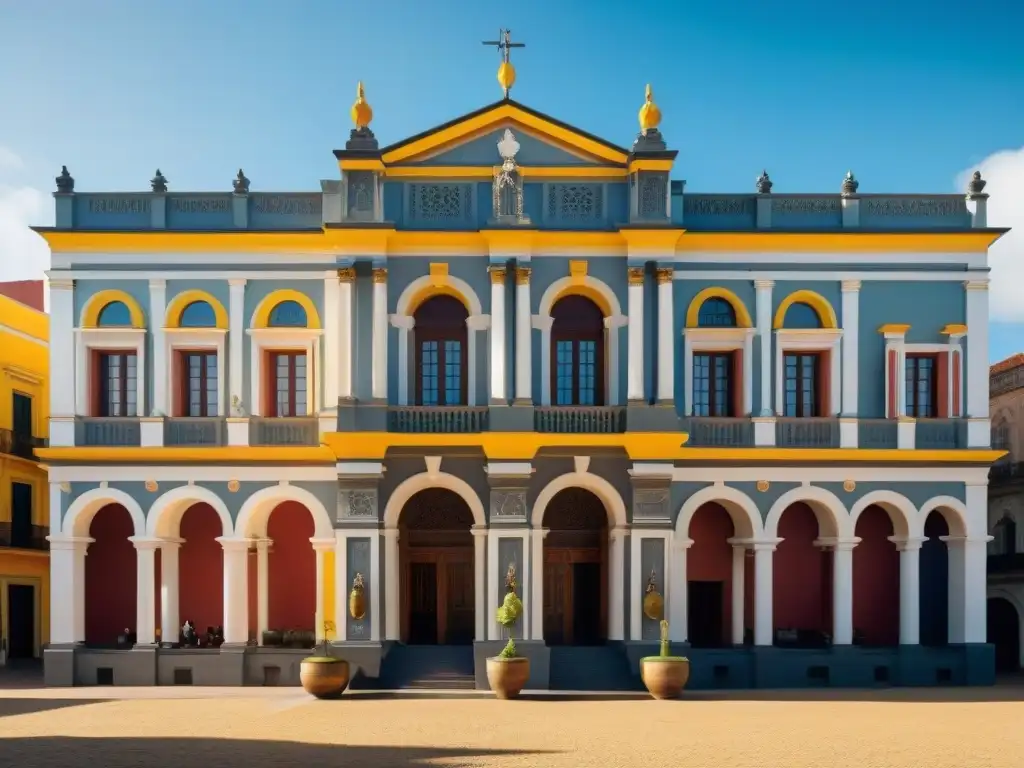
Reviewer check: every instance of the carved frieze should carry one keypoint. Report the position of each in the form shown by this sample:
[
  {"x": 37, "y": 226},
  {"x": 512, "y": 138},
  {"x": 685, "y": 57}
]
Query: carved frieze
[
  {"x": 915, "y": 206},
  {"x": 132, "y": 204},
  {"x": 805, "y": 205},
  {"x": 358, "y": 503},
  {"x": 653, "y": 195},
  {"x": 650, "y": 503},
  {"x": 508, "y": 503},
  {"x": 288, "y": 204},
  {"x": 717, "y": 206},
  {"x": 218, "y": 204}
]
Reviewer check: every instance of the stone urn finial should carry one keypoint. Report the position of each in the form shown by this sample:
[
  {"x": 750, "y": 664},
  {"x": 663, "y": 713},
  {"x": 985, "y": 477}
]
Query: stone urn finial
[
  {"x": 158, "y": 182},
  {"x": 65, "y": 182},
  {"x": 976, "y": 185},
  {"x": 764, "y": 184},
  {"x": 241, "y": 184},
  {"x": 850, "y": 185}
]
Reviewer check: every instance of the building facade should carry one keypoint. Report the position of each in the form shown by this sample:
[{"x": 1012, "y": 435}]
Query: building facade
[
  {"x": 24, "y": 494},
  {"x": 505, "y": 342}
]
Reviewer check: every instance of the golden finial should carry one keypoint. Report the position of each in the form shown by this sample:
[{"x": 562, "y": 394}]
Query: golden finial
[
  {"x": 506, "y": 72},
  {"x": 361, "y": 112},
  {"x": 650, "y": 115}
]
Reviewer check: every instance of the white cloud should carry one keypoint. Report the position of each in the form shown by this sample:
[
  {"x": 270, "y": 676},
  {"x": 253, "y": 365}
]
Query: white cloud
[
  {"x": 24, "y": 255},
  {"x": 9, "y": 158},
  {"x": 1004, "y": 172}
]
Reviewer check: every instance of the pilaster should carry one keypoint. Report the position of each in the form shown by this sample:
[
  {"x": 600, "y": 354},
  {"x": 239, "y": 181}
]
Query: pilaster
[
  {"x": 379, "y": 359},
  {"x": 666, "y": 337},
  {"x": 498, "y": 352}
]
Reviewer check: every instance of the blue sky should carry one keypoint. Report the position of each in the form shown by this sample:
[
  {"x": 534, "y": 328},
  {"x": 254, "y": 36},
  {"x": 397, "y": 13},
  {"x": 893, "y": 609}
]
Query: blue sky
[{"x": 909, "y": 94}]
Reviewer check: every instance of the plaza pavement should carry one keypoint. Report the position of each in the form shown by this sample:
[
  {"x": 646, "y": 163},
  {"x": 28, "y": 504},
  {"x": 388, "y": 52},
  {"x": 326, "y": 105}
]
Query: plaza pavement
[{"x": 255, "y": 727}]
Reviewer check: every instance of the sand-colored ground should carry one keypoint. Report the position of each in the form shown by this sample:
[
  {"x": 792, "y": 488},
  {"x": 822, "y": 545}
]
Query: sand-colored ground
[{"x": 209, "y": 728}]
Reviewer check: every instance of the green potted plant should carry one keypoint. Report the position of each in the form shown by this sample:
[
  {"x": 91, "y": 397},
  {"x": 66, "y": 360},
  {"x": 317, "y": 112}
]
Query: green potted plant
[
  {"x": 323, "y": 675},
  {"x": 665, "y": 675},
  {"x": 508, "y": 672}
]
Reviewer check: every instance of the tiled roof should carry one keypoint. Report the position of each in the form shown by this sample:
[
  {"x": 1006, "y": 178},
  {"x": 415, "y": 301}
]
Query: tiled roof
[{"x": 1006, "y": 365}]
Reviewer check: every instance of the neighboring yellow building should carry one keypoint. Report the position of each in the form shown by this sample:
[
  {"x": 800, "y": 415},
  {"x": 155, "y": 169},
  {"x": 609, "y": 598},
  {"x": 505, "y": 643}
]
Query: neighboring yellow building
[{"x": 24, "y": 500}]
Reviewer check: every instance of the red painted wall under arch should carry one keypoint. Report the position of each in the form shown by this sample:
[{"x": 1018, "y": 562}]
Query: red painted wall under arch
[
  {"x": 876, "y": 579},
  {"x": 292, "y": 568},
  {"x": 201, "y": 569},
  {"x": 801, "y": 587},
  {"x": 710, "y": 556},
  {"x": 110, "y": 572}
]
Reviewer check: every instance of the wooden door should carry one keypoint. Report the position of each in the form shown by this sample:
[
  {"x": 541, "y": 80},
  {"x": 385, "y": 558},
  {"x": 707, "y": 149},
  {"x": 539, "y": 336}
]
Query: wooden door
[
  {"x": 459, "y": 610},
  {"x": 557, "y": 598},
  {"x": 423, "y": 603}
]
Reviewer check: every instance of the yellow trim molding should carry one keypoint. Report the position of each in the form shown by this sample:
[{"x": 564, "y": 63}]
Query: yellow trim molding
[
  {"x": 179, "y": 303},
  {"x": 360, "y": 164},
  {"x": 582, "y": 289},
  {"x": 900, "y": 329},
  {"x": 261, "y": 317},
  {"x": 650, "y": 165},
  {"x": 109, "y": 455},
  {"x": 94, "y": 306},
  {"x": 841, "y": 242},
  {"x": 487, "y": 172},
  {"x": 428, "y": 292},
  {"x": 717, "y": 292},
  {"x": 954, "y": 329},
  {"x": 815, "y": 301}
]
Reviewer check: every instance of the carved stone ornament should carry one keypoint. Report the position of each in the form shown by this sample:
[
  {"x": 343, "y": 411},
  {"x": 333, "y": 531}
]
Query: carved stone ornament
[
  {"x": 152, "y": 486},
  {"x": 976, "y": 186},
  {"x": 508, "y": 147},
  {"x": 764, "y": 184},
  {"x": 654, "y": 604},
  {"x": 240, "y": 184},
  {"x": 763, "y": 485},
  {"x": 508, "y": 503},
  {"x": 158, "y": 182},
  {"x": 850, "y": 185},
  {"x": 650, "y": 502},
  {"x": 233, "y": 486},
  {"x": 65, "y": 183},
  {"x": 508, "y": 183},
  {"x": 849, "y": 486},
  {"x": 360, "y": 504}
]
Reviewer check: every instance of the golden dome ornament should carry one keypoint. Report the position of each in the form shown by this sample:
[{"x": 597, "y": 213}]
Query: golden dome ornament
[
  {"x": 506, "y": 72},
  {"x": 650, "y": 114},
  {"x": 362, "y": 114},
  {"x": 357, "y": 598},
  {"x": 654, "y": 603}
]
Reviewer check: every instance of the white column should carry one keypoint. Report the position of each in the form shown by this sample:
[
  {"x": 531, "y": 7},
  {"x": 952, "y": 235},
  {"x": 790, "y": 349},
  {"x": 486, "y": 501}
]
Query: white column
[
  {"x": 764, "y": 332},
  {"x": 617, "y": 577},
  {"x": 493, "y": 630},
  {"x": 956, "y": 593},
  {"x": 392, "y": 623},
  {"x": 498, "y": 335},
  {"x": 977, "y": 349},
  {"x": 678, "y": 609},
  {"x": 236, "y": 590},
  {"x": 236, "y": 342},
  {"x": 763, "y": 594},
  {"x": 635, "y": 331},
  {"x": 739, "y": 565},
  {"x": 480, "y": 582},
  {"x": 346, "y": 283},
  {"x": 975, "y": 613},
  {"x": 62, "y": 348},
  {"x": 375, "y": 585},
  {"x": 851, "y": 346},
  {"x": 332, "y": 340},
  {"x": 341, "y": 587},
  {"x": 537, "y": 585},
  {"x": 404, "y": 324},
  {"x": 842, "y": 592},
  {"x": 170, "y": 619},
  {"x": 666, "y": 337},
  {"x": 687, "y": 375},
  {"x": 910, "y": 589},
  {"x": 157, "y": 321},
  {"x": 67, "y": 589},
  {"x": 262, "y": 588},
  {"x": 319, "y": 547},
  {"x": 543, "y": 324},
  {"x": 379, "y": 362},
  {"x": 474, "y": 324},
  {"x": 524, "y": 340},
  {"x": 145, "y": 589}
]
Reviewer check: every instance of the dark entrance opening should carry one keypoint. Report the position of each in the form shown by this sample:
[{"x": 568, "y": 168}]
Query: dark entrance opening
[
  {"x": 705, "y": 601},
  {"x": 1004, "y": 634},
  {"x": 21, "y": 621},
  {"x": 586, "y": 603}
]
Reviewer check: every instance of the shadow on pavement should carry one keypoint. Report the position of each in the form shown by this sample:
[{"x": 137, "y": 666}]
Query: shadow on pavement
[
  {"x": 227, "y": 753},
  {"x": 12, "y": 707}
]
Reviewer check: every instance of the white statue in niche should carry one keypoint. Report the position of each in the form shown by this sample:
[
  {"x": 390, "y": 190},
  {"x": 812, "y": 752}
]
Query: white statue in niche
[{"x": 508, "y": 184}]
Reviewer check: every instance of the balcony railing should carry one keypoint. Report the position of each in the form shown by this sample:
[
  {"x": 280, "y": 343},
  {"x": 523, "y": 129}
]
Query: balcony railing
[
  {"x": 16, "y": 444},
  {"x": 1006, "y": 472},
  {"x": 877, "y": 434},
  {"x": 284, "y": 431},
  {"x": 1006, "y": 563},
  {"x": 807, "y": 433},
  {"x": 939, "y": 434},
  {"x": 719, "y": 432},
  {"x": 107, "y": 431},
  {"x": 580, "y": 419},
  {"x": 440, "y": 419},
  {"x": 194, "y": 431},
  {"x": 24, "y": 536}
]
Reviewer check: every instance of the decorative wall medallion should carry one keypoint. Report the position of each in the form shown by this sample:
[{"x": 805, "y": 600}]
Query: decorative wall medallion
[
  {"x": 233, "y": 486},
  {"x": 763, "y": 485},
  {"x": 849, "y": 486},
  {"x": 151, "y": 486}
]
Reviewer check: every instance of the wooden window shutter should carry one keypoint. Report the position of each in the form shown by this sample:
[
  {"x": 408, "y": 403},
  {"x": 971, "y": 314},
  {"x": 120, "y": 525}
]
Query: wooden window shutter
[
  {"x": 737, "y": 384},
  {"x": 824, "y": 384},
  {"x": 892, "y": 395},
  {"x": 942, "y": 385}
]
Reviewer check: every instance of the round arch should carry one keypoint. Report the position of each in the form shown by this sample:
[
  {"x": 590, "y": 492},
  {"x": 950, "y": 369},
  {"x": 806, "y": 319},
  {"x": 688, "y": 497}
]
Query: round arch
[
  {"x": 91, "y": 311},
  {"x": 261, "y": 315},
  {"x": 596, "y": 290},
  {"x": 421, "y": 482},
  {"x": 954, "y": 512},
  {"x": 428, "y": 286},
  {"x": 717, "y": 292},
  {"x": 177, "y": 305},
  {"x": 255, "y": 512},
  {"x": 817, "y": 302},
  {"x": 597, "y": 485},
  {"x": 164, "y": 519},
  {"x": 741, "y": 508},
  {"x": 901, "y": 510},
  {"x": 83, "y": 509},
  {"x": 825, "y": 504}
]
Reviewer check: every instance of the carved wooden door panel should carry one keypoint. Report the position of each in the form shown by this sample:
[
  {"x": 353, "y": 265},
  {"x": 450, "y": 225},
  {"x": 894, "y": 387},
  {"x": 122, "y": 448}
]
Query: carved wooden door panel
[
  {"x": 557, "y": 599},
  {"x": 460, "y": 607}
]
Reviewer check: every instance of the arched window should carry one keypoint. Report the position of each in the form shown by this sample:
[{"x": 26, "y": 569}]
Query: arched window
[
  {"x": 198, "y": 314},
  {"x": 577, "y": 352},
  {"x": 1001, "y": 436},
  {"x": 716, "y": 313},
  {"x": 800, "y": 315},
  {"x": 1005, "y": 535},
  {"x": 288, "y": 314},
  {"x": 115, "y": 314},
  {"x": 441, "y": 351}
]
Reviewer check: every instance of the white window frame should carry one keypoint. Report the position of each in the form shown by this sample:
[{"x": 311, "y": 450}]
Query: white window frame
[
  {"x": 114, "y": 340},
  {"x": 931, "y": 349},
  {"x": 202, "y": 339},
  {"x": 286, "y": 340},
  {"x": 719, "y": 340},
  {"x": 809, "y": 340}
]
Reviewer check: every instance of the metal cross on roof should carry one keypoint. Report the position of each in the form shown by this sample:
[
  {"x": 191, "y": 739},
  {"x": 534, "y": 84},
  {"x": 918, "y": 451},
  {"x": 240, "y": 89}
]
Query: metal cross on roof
[{"x": 504, "y": 43}]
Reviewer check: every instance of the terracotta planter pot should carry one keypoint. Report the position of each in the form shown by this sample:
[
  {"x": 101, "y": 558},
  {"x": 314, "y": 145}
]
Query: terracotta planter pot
[
  {"x": 324, "y": 677},
  {"x": 665, "y": 678},
  {"x": 507, "y": 677}
]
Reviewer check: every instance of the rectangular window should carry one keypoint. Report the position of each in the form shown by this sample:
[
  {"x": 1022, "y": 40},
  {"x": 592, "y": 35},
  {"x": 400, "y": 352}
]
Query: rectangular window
[
  {"x": 429, "y": 377},
  {"x": 452, "y": 372},
  {"x": 118, "y": 394},
  {"x": 21, "y": 515},
  {"x": 921, "y": 386},
  {"x": 576, "y": 372},
  {"x": 802, "y": 397},
  {"x": 199, "y": 383},
  {"x": 22, "y": 413},
  {"x": 290, "y": 384},
  {"x": 713, "y": 384}
]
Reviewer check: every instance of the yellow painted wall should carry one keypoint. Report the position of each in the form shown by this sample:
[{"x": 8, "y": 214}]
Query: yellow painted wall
[{"x": 328, "y": 607}]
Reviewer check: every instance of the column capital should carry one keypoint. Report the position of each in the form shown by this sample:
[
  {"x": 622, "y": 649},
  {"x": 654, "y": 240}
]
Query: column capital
[
  {"x": 56, "y": 284},
  {"x": 665, "y": 275},
  {"x": 478, "y": 322},
  {"x": 478, "y": 531},
  {"x": 380, "y": 274},
  {"x": 907, "y": 543},
  {"x": 69, "y": 542},
  {"x": 237, "y": 282},
  {"x": 964, "y": 541},
  {"x": 403, "y": 322},
  {"x": 976, "y": 285},
  {"x": 322, "y": 545},
  {"x": 851, "y": 286},
  {"x": 150, "y": 543},
  {"x": 837, "y": 544},
  {"x": 347, "y": 275},
  {"x": 682, "y": 544},
  {"x": 636, "y": 276},
  {"x": 390, "y": 533},
  {"x": 233, "y": 543},
  {"x": 764, "y": 545},
  {"x": 157, "y": 282},
  {"x": 762, "y": 285},
  {"x": 523, "y": 275},
  {"x": 618, "y": 533},
  {"x": 498, "y": 274},
  {"x": 169, "y": 544},
  {"x": 541, "y": 533}
]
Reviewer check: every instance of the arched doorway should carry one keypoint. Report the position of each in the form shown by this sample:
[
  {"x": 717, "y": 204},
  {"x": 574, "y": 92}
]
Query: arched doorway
[
  {"x": 710, "y": 570},
  {"x": 1004, "y": 633},
  {"x": 575, "y": 569},
  {"x": 802, "y": 580},
  {"x": 436, "y": 573},
  {"x": 876, "y": 579},
  {"x": 110, "y": 577},
  {"x": 935, "y": 581}
]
